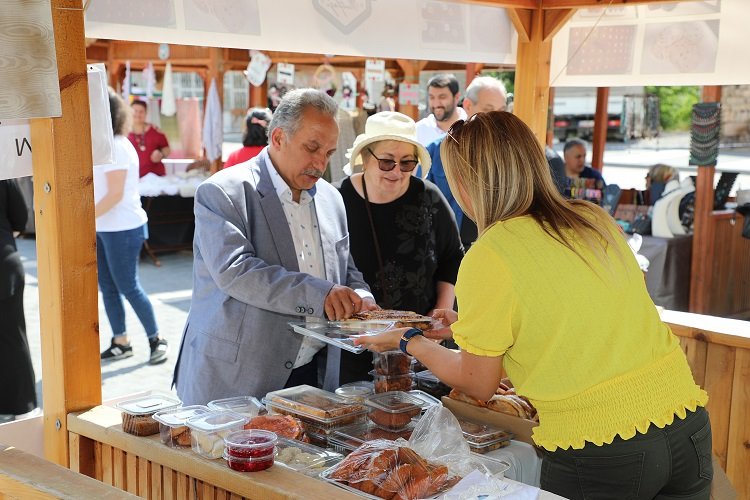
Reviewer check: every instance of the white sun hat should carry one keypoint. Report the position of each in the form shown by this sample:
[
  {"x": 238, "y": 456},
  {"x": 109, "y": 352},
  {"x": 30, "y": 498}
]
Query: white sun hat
[{"x": 386, "y": 126}]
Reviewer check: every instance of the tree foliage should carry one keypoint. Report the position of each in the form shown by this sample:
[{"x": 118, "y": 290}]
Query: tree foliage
[{"x": 676, "y": 105}]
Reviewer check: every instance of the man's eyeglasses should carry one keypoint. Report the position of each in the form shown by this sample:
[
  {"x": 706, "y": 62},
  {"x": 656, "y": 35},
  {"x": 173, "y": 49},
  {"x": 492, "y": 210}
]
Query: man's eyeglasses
[{"x": 386, "y": 164}]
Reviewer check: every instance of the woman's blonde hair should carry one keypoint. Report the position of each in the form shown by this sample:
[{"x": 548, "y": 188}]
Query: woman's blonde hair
[{"x": 496, "y": 160}]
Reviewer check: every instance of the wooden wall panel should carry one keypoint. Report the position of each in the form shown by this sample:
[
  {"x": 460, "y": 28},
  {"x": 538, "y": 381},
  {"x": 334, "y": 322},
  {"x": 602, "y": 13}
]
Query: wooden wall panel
[
  {"x": 107, "y": 472},
  {"x": 144, "y": 477},
  {"x": 695, "y": 351},
  {"x": 729, "y": 293},
  {"x": 131, "y": 474},
  {"x": 718, "y": 383},
  {"x": 738, "y": 456},
  {"x": 119, "y": 471}
]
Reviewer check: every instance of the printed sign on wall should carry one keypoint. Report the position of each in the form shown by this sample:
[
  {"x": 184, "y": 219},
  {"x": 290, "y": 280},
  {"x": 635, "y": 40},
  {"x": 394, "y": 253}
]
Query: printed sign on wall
[{"x": 15, "y": 149}]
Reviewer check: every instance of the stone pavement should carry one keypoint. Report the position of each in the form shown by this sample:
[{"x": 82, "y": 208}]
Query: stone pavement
[{"x": 168, "y": 287}]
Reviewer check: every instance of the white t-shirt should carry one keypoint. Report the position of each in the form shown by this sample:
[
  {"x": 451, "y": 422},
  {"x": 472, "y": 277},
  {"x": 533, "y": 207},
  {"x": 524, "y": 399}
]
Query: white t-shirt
[
  {"x": 428, "y": 130},
  {"x": 128, "y": 213}
]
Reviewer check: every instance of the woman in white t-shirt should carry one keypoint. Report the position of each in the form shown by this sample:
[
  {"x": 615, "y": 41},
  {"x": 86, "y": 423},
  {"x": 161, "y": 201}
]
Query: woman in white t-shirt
[{"x": 121, "y": 228}]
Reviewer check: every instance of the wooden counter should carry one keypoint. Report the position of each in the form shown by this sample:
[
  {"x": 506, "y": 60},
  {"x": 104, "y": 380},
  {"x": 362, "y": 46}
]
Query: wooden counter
[
  {"x": 718, "y": 350},
  {"x": 99, "y": 448}
]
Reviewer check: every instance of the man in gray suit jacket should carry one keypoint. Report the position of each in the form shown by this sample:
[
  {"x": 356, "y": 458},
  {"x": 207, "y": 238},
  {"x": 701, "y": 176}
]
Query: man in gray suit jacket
[{"x": 271, "y": 246}]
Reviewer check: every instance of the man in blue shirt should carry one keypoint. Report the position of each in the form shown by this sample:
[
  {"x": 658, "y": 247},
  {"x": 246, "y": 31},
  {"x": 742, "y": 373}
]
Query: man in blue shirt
[
  {"x": 574, "y": 153},
  {"x": 484, "y": 93}
]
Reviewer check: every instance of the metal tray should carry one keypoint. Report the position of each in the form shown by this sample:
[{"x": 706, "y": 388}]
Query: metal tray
[{"x": 341, "y": 333}]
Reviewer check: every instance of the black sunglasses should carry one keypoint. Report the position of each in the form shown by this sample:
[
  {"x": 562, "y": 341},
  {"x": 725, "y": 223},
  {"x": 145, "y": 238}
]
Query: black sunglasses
[{"x": 386, "y": 164}]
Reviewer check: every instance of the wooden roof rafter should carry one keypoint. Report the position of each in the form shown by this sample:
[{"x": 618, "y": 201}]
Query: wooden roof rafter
[{"x": 562, "y": 4}]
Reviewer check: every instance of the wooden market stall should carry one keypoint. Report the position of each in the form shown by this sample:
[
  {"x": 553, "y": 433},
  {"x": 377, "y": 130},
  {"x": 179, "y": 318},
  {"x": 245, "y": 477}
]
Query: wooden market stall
[{"x": 82, "y": 436}]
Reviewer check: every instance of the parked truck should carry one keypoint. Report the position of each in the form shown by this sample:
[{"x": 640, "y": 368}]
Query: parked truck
[{"x": 631, "y": 113}]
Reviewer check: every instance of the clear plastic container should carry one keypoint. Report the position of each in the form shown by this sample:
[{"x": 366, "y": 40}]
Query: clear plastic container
[
  {"x": 393, "y": 411},
  {"x": 385, "y": 383},
  {"x": 348, "y": 439},
  {"x": 305, "y": 458},
  {"x": 430, "y": 384},
  {"x": 392, "y": 363},
  {"x": 249, "y": 464},
  {"x": 429, "y": 401},
  {"x": 137, "y": 414},
  {"x": 244, "y": 405},
  {"x": 482, "y": 437},
  {"x": 253, "y": 444},
  {"x": 316, "y": 406},
  {"x": 209, "y": 430},
  {"x": 319, "y": 424},
  {"x": 356, "y": 391},
  {"x": 173, "y": 429}
]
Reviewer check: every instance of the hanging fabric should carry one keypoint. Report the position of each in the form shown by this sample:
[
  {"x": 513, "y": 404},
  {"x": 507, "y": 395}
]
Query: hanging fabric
[
  {"x": 168, "y": 102},
  {"x": 213, "y": 133}
]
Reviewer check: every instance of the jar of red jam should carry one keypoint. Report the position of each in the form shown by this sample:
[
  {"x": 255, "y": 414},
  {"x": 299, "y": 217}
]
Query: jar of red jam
[{"x": 250, "y": 450}]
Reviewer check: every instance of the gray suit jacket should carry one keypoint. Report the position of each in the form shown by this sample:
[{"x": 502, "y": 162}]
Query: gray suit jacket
[{"x": 247, "y": 286}]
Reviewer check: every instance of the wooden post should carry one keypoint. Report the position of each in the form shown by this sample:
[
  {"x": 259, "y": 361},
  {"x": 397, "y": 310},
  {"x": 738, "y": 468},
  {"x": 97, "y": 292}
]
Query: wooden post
[
  {"x": 550, "y": 139},
  {"x": 701, "y": 269},
  {"x": 600, "y": 128},
  {"x": 411, "y": 71},
  {"x": 66, "y": 242},
  {"x": 259, "y": 95},
  {"x": 472, "y": 70}
]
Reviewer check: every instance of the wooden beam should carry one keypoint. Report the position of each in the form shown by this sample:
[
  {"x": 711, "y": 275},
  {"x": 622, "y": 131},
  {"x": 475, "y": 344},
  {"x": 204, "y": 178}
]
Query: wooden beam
[
  {"x": 712, "y": 93},
  {"x": 521, "y": 19},
  {"x": 701, "y": 268},
  {"x": 411, "y": 71},
  {"x": 601, "y": 117},
  {"x": 472, "y": 70},
  {"x": 554, "y": 20},
  {"x": 575, "y": 4},
  {"x": 532, "y": 78},
  {"x": 66, "y": 243}
]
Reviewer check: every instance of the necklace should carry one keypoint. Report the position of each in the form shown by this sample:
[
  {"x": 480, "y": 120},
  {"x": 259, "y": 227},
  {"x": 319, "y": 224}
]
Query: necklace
[{"x": 141, "y": 140}]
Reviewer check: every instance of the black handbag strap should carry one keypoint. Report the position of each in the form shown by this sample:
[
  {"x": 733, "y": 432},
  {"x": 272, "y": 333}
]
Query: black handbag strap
[{"x": 381, "y": 273}]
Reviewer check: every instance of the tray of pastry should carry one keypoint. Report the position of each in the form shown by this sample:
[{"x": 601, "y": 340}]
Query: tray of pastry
[
  {"x": 341, "y": 334},
  {"x": 316, "y": 404}
]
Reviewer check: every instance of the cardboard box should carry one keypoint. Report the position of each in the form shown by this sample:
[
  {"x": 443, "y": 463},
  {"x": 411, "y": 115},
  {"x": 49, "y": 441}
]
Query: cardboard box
[{"x": 520, "y": 427}]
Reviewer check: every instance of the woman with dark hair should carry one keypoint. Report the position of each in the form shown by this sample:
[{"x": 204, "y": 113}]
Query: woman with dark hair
[
  {"x": 120, "y": 232},
  {"x": 255, "y": 137},
  {"x": 18, "y": 391}
]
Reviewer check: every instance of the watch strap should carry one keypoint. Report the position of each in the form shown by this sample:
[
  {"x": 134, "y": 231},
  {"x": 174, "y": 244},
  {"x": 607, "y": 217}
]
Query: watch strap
[{"x": 407, "y": 336}]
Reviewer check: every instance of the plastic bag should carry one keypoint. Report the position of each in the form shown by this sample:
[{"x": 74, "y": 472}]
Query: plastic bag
[
  {"x": 102, "y": 139},
  {"x": 635, "y": 242},
  {"x": 390, "y": 469}
]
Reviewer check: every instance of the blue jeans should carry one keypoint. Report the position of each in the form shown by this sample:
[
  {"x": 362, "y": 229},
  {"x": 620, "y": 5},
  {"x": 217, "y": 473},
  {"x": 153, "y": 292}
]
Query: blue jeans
[{"x": 117, "y": 255}]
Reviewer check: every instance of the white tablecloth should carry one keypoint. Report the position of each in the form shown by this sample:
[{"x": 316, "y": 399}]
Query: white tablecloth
[{"x": 525, "y": 464}]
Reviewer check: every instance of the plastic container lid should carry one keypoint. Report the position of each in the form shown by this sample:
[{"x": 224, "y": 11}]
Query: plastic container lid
[
  {"x": 250, "y": 440},
  {"x": 177, "y": 417},
  {"x": 378, "y": 376},
  {"x": 148, "y": 405},
  {"x": 308, "y": 459},
  {"x": 314, "y": 420},
  {"x": 356, "y": 391},
  {"x": 429, "y": 401},
  {"x": 244, "y": 405},
  {"x": 314, "y": 403},
  {"x": 216, "y": 420},
  {"x": 481, "y": 435},
  {"x": 427, "y": 376},
  {"x": 350, "y": 438},
  {"x": 395, "y": 402}
]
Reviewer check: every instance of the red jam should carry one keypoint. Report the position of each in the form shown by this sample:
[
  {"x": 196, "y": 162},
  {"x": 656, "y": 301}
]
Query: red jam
[
  {"x": 244, "y": 465},
  {"x": 238, "y": 447}
]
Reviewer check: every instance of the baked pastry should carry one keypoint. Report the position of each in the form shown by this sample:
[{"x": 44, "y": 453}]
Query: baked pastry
[
  {"x": 392, "y": 363},
  {"x": 283, "y": 425},
  {"x": 460, "y": 396},
  {"x": 400, "y": 318},
  {"x": 139, "y": 425},
  {"x": 180, "y": 435},
  {"x": 394, "y": 420},
  {"x": 397, "y": 383}
]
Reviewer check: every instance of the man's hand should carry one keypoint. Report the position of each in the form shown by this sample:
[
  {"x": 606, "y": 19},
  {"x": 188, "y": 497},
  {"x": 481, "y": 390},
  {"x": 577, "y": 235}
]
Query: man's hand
[
  {"x": 341, "y": 302},
  {"x": 157, "y": 155},
  {"x": 369, "y": 304}
]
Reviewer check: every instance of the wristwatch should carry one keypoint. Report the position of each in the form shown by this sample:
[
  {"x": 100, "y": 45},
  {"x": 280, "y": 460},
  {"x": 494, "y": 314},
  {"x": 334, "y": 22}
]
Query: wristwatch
[{"x": 407, "y": 336}]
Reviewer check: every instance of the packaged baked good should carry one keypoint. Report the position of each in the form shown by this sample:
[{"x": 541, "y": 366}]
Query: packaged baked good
[
  {"x": 429, "y": 383},
  {"x": 173, "y": 429},
  {"x": 250, "y": 450},
  {"x": 244, "y": 405},
  {"x": 394, "y": 410},
  {"x": 350, "y": 438},
  {"x": 282, "y": 425},
  {"x": 387, "y": 383},
  {"x": 137, "y": 414},
  {"x": 209, "y": 430},
  {"x": 356, "y": 391},
  {"x": 305, "y": 458},
  {"x": 392, "y": 363},
  {"x": 482, "y": 437},
  {"x": 316, "y": 406},
  {"x": 399, "y": 319}
]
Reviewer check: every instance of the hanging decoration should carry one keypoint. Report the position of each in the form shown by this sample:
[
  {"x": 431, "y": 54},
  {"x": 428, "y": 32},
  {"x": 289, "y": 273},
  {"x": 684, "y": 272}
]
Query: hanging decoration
[
  {"x": 168, "y": 101},
  {"x": 705, "y": 132}
]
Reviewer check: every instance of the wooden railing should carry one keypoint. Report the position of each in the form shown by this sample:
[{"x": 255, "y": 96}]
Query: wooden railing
[{"x": 718, "y": 351}]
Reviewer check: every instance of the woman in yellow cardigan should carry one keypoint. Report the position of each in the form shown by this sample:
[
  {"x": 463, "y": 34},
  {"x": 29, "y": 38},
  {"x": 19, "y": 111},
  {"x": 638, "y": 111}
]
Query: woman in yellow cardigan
[{"x": 552, "y": 292}]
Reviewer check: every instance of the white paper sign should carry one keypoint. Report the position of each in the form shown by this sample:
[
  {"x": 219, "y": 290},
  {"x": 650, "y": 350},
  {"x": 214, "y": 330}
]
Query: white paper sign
[
  {"x": 258, "y": 67},
  {"x": 375, "y": 70},
  {"x": 285, "y": 73},
  {"x": 15, "y": 149},
  {"x": 408, "y": 94}
]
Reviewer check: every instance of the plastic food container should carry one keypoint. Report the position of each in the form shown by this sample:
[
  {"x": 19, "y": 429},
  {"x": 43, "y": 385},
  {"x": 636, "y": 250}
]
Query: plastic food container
[
  {"x": 386, "y": 383},
  {"x": 250, "y": 450},
  {"x": 392, "y": 363},
  {"x": 348, "y": 439},
  {"x": 209, "y": 430},
  {"x": 356, "y": 391},
  {"x": 427, "y": 400},
  {"x": 430, "y": 384},
  {"x": 173, "y": 429},
  {"x": 244, "y": 405},
  {"x": 315, "y": 406},
  {"x": 305, "y": 458},
  {"x": 482, "y": 437},
  {"x": 137, "y": 414},
  {"x": 393, "y": 411}
]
